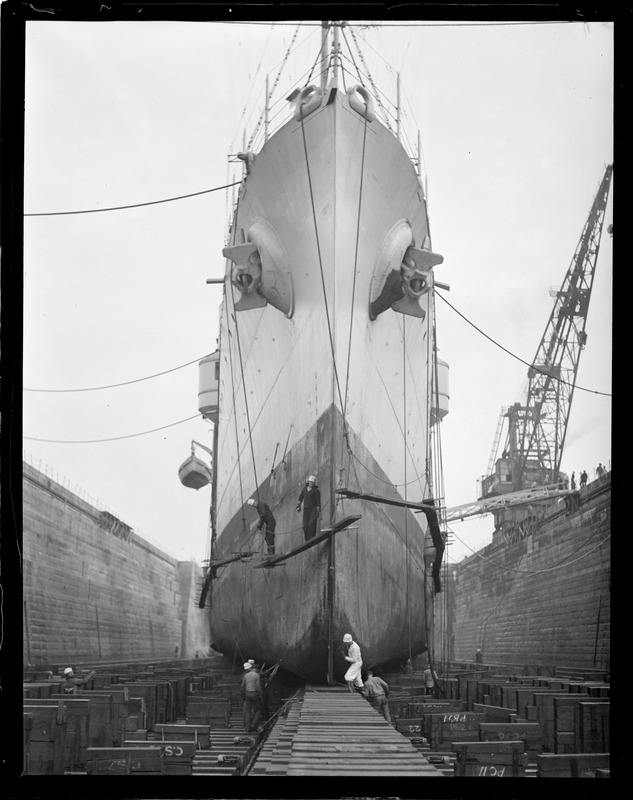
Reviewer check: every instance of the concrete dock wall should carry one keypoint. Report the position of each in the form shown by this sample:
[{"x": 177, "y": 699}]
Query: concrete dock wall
[
  {"x": 95, "y": 590},
  {"x": 542, "y": 599}
]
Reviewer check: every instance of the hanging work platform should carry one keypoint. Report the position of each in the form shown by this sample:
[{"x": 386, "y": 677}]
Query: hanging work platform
[
  {"x": 278, "y": 561},
  {"x": 194, "y": 473}
]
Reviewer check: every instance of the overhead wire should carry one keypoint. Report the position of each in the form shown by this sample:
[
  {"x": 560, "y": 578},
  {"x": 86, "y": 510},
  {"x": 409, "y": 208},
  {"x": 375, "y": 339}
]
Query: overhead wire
[
  {"x": 111, "y": 438},
  {"x": 518, "y": 358},
  {"x": 560, "y": 565},
  {"x": 133, "y": 205},
  {"x": 404, "y": 24},
  {"x": 123, "y": 383}
]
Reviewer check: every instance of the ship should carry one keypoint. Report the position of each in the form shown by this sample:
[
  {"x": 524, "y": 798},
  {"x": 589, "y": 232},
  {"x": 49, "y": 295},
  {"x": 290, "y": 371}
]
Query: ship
[{"x": 326, "y": 367}]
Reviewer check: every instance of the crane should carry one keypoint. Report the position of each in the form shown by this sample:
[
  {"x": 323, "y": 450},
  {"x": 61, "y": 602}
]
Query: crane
[{"x": 537, "y": 426}]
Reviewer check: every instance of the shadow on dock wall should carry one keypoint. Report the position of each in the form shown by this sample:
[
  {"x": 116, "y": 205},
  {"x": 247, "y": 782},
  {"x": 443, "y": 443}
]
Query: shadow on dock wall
[{"x": 93, "y": 590}]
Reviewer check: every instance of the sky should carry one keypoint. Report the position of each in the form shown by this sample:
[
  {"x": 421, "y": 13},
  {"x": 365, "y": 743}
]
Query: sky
[{"x": 516, "y": 128}]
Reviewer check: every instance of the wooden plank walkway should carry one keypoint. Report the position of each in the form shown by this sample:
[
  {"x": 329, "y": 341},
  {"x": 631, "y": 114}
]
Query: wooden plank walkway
[{"x": 335, "y": 732}]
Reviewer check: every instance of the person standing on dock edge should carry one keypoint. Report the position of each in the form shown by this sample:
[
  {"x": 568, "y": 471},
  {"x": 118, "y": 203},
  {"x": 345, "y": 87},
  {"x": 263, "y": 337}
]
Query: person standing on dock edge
[
  {"x": 267, "y": 521},
  {"x": 311, "y": 498},
  {"x": 377, "y": 694},
  {"x": 352, "y": 676},
  {"x": 253, "y": 697}
]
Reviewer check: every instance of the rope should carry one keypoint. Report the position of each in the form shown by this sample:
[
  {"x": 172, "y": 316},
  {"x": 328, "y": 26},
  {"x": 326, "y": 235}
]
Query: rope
[
  {"x": 111, "y": 438},
  {"x": 135, "y": 205},
  {"x": 505, "y": 350},
  {"x": 406, "y": 513},
  {"x": 124, "y": 383},
  {"x": 316, "y": 230},
  {"x": 237, "y": 439},
  {"x": 274, "y": 86},
  {"x": 560, "y": 565},
  {"x": 351, "y": 315},
  {"x": 248, "y": 418}
]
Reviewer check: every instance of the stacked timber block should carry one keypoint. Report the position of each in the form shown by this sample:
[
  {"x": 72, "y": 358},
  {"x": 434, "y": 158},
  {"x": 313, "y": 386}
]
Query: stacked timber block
[
  {"x": 46, "y": 742},
  {"x": 507, "y": 718},
  {"x": 74, "y": 732},
  {"x": 122, "y": 704},
  {"x": 125, "y": 761},
  {"x": 211, "y": 710},
  {"x": 200, "y": 735},
  {"x": 177, "y": 756},
  {"x": 490, "y": 760},
  {"x": 573, "y": 765}
]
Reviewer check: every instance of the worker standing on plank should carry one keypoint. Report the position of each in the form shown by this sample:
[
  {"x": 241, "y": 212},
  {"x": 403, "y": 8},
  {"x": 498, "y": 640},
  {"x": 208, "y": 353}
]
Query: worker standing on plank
[
  {"x": 266, "y": 521},
  {"x": 253, "y": 697},
  {"x": 311, "y": 498}
]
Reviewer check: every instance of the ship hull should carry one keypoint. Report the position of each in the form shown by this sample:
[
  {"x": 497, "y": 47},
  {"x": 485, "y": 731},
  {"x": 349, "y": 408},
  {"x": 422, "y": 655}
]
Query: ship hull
[{"x": 320, "y": 388}]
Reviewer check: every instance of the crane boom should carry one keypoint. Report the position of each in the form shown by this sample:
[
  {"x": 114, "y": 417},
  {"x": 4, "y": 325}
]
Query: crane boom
[{"x": 537, "y": 427}]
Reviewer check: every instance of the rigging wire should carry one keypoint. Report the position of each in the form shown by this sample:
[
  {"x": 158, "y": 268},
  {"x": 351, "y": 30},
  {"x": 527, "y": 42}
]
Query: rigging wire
[
  {"x": 409, "y": 24},
  {"x": 274, "y": 86},
  {"x": 531, "y": 366},
  {"x": 112, "y": 438},
  {"x": 351, "y": 316},
  {"x": 134, "y": 205},
  {"x": 124, "y": 383},
  {"x": 237, "y": 440},
  {"x": 318, "y": 244},
  {"x": 559, "y": 565}
]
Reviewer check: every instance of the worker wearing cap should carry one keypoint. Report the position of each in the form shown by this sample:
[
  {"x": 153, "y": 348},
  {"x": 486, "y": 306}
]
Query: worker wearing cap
[
  {"x": 70, "y": 684},
  {"x": 252, "y": 695},
  {"x": 352, "y": 676},
  {"x": 267, "y": 521},
  {"x": 377, "y": 693},
  {"x": 311, "y": 498}
]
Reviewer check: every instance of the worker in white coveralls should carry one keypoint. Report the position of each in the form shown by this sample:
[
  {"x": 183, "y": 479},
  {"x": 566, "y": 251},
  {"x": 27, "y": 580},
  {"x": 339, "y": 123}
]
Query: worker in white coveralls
[{"x": 352, "y": 676}]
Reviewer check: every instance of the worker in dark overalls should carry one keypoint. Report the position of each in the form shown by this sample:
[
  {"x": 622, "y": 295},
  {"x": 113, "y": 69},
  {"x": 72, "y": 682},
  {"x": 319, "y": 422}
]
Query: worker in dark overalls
[
  {"x": 267, "y": 521},
  {"x": 311, "y": 498}
]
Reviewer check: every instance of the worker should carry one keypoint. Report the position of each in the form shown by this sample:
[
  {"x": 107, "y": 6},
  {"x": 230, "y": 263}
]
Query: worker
[
  {"x": 311, "y": 498},
  {"x": 573, "y": 481},
  {"x": 70, "y": 684},
  {"x": 352, "y": 676},
  {"x": 253, "y": 697},
  {"x": 600, "y": 470},
  {"x": 429, "y": 680},
  {"x": 583, "y": 479},
  {"x": 377, "y": 692},
  {"x": 267, "y": 521}
]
